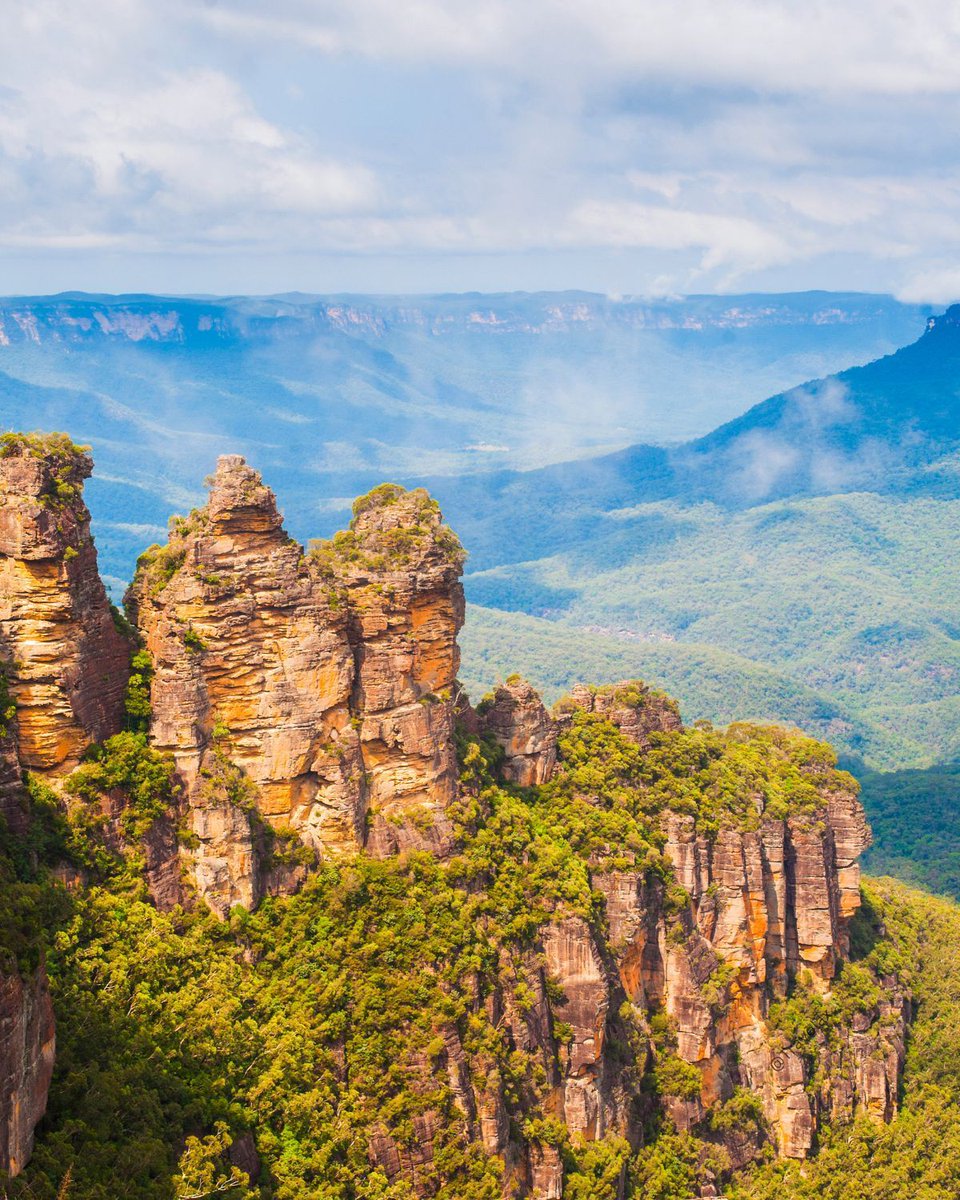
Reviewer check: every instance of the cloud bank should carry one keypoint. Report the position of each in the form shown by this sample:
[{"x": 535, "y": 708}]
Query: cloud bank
[{"x": 625, "y": 145}]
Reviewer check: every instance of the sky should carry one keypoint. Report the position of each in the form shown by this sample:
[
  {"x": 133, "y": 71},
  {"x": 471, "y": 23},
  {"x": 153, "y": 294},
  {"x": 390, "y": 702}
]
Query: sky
[{"x": 643, "y": 147}]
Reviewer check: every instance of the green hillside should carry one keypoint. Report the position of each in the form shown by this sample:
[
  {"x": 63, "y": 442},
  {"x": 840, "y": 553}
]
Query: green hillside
[{"x": 840, "y": 613}]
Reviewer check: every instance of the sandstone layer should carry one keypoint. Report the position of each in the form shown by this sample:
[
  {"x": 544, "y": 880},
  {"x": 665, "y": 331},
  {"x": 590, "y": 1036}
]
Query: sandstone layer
[
  {"x": 515, "y": 716},
  {"x": 764, "y": 910}
]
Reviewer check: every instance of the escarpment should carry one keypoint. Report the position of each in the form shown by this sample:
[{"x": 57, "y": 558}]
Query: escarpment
[
  {"x": 63, "y": 672},
  {"x": 716, "y": 959},
  {"x": 651, "y": 924}
]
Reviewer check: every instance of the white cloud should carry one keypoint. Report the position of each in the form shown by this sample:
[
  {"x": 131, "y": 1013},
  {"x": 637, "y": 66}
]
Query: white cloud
[
  {"x": 720, "y": 143},
  {"x": 882, "y": 46},
  {"x": 936, "y": 285},
  {"x": 723, "y": 239},
  {"x": 92, "y": 155}
]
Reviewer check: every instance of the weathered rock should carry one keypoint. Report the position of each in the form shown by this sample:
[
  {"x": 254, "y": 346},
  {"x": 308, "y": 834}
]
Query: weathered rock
[
  {"x": 250, "y": 650},
  {"x": 27, "y": 1044},
  {"x": 324, "y": 682},
  {"x": 593, "y": 1097},
  {"x": 634, "y": 708},
  {"x": 764, "y": 906},
  {"x": 67, "y": 664},
  {"x": 400, "y": 570},
  {"x": 308, "y": 701},
  {"x": 516, "y": 717},
  {"x": 13, "y": 801}
]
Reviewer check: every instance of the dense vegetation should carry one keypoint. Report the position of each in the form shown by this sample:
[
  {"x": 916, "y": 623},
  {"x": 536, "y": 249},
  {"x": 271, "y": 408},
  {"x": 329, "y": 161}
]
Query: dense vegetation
[
  {"x": 915, "y": 818},
  {"x": 323, "y": 1019}
]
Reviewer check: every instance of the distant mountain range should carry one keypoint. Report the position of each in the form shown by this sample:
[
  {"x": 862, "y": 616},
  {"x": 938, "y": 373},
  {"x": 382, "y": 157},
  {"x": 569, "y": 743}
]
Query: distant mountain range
[
  {"x": 330, "y": 395},
  {"x": 892, "y": 426}
]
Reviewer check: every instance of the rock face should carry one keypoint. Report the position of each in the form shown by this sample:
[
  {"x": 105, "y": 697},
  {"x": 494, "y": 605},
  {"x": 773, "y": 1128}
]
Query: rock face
[
  {"x": 516, "y": 717},
  {"x": 302, "y": 695},
  {"x": 63, "y": 672},
  {"x": 67, "y": 663},
  {"x": 27, "y": 1045},
  {"x": 767, "y": 908},
  {"x": 399, "y": 570},
  {"x": 763, "y": 909}
]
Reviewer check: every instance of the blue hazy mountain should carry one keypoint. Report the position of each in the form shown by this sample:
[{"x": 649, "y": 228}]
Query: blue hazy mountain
[
  {"x": 329, "y": 395},
  {"x": 892, "y": 426},
  {"x": 798, "y": 563}
]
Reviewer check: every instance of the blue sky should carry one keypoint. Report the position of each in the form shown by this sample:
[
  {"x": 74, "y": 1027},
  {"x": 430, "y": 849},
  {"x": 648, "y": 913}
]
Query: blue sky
[{"x": 625, "y": 146}]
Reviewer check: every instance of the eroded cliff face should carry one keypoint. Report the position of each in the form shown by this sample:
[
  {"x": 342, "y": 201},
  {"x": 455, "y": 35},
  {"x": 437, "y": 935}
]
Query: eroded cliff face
[
  {"x": 306, "y": 699},
  {"x": 66, "y": 663},
  {"x": 63, "y": 672},
  {"x": 517, "y": 719},
  {"x": 764, "y": 913},
  {"x": 27, "y": 1046},
  {"x": 398, "y": 570}
]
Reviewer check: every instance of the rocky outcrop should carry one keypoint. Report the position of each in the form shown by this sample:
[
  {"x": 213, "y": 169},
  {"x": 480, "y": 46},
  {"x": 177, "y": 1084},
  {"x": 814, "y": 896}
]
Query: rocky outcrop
[
  {"x": 765, "y": 910},
  {"x": 252, "y": 670},
  {"x": 515, "y": 716},
  {"x": 63, "y": 673},
  {"x": 27, "y": 1044},
  {"x": 310, "y": 693},
  {"x": 634, "y": 708},
  {"x": 66, "y": 662},
  {"x": 768, "y": 908},
  {"x": 307, "y": 701}
]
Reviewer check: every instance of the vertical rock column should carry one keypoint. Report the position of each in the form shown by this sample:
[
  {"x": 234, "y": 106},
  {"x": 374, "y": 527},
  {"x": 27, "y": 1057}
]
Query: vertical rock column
[
  {"x": 27, "y": 1046},
  {"x": 253, "y": 673},
  {"x": 517, "y": 719},
  {"x": 400, "y": 567},
  {"x": 66, "y": 664},
  {"x": 308, "y": 695}
]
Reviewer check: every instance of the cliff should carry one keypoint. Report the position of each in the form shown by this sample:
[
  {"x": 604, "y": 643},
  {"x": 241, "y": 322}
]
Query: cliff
[
  {"x": 27, "y": 1042},
  {"x": 658, "y": 929},
  {"x": 63, "y": 672},
  {"x": 709, "y": 965}
]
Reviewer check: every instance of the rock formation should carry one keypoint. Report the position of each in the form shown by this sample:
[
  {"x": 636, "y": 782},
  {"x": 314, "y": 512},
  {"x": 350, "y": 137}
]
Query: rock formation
[
  {"x": 303, "y": 695},
  {"x": 399, "y": 569},
  {"x": 63, "y": 671},
  {"x": 763, "y": 909},
  {"x": 27, "y": 1044},
  {"x": 517, "y": 719},
  {"x": 634, "y": 708},
  {"x": 66, "y": 663}
]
